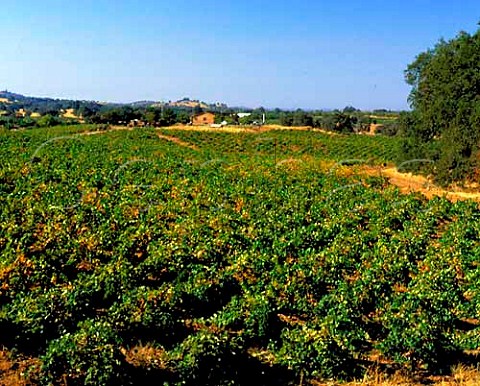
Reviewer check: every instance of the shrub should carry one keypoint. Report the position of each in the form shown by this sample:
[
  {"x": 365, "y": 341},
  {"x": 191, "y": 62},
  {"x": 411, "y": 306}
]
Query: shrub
[{"x": 90, "y": 356}]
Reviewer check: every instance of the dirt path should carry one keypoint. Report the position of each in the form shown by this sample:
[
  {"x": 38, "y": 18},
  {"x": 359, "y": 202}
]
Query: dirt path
[
  {"x": 177, "y": 141},
  {"x": 113, "y": 128},
  {"x": 409, "y": 183}
]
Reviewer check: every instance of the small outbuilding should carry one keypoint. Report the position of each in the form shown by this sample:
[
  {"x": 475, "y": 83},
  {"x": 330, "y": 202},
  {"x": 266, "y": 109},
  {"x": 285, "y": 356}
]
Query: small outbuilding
[{"x": 136, "y": 123}]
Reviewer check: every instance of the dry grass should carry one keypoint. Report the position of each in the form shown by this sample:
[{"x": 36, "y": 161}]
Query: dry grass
[
  {"x": 409, "y": 183},
  {"x": 146, "y": 356},
  {"x": 15, "y": 371},
  {"x": 70, "y": 114},
  {"x": 389, "y": 117},
  {"x": 111, "y": 128},
  {"x": 461, "y": 376},
  {"x": 464, "y": 375},
  {"x": 279, "y": 127}
]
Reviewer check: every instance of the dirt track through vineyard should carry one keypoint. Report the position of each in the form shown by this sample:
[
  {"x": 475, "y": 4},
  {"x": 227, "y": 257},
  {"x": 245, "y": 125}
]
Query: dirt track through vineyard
[
  {"x": 113, "y": 128},
  {"x": 177, "y": 141},
  {"x": 410, "y": 183}
]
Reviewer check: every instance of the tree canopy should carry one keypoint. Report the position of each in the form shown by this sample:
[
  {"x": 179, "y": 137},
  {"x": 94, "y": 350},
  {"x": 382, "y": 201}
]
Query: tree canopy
[{"x": 444, "y": 125}]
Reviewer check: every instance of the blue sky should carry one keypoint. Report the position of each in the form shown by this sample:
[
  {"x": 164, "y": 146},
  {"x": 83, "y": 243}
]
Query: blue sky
[{"x": 303, "y": 54}]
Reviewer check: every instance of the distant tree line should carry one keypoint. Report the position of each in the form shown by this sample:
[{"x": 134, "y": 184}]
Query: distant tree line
[
  {"x": 153, "y": 116},
  {"x": 348, "y": 120},
  {"x": 48, "y": 120}
]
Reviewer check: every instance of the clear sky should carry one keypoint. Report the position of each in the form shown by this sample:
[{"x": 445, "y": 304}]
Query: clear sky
[{"x": 287, "y": 54}]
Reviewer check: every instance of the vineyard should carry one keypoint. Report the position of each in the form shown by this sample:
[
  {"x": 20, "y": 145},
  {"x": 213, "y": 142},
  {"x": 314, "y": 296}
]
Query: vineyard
[{"x": 216, "y": 258}]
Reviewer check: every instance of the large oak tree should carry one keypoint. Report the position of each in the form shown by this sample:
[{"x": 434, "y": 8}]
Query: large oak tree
[{"x": 445, "y": 98}]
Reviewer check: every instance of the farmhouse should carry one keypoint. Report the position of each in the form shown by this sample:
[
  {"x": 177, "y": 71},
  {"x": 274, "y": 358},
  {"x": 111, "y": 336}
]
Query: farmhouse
[{"x": 203, "y": 119}]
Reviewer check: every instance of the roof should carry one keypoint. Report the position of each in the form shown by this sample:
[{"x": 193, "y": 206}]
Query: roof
[{"x": 206, "y": 113}]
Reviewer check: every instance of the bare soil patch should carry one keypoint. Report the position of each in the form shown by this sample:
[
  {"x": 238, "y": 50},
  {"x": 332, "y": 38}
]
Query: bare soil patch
[
  {"x": 176, "y": 140},
  {"x": 410, "y": 183},
  {"x": 112, "y": 128},
  {"x": 14, "y": 371}
]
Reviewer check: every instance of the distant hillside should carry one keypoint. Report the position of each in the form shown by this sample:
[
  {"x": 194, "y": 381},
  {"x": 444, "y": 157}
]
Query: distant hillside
[
  {"x": 11, "y": 97},
  {"x": 142, "y": 104},
  {"x": 13, "y": 102},
  {"x": 187, "y": 103}
]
